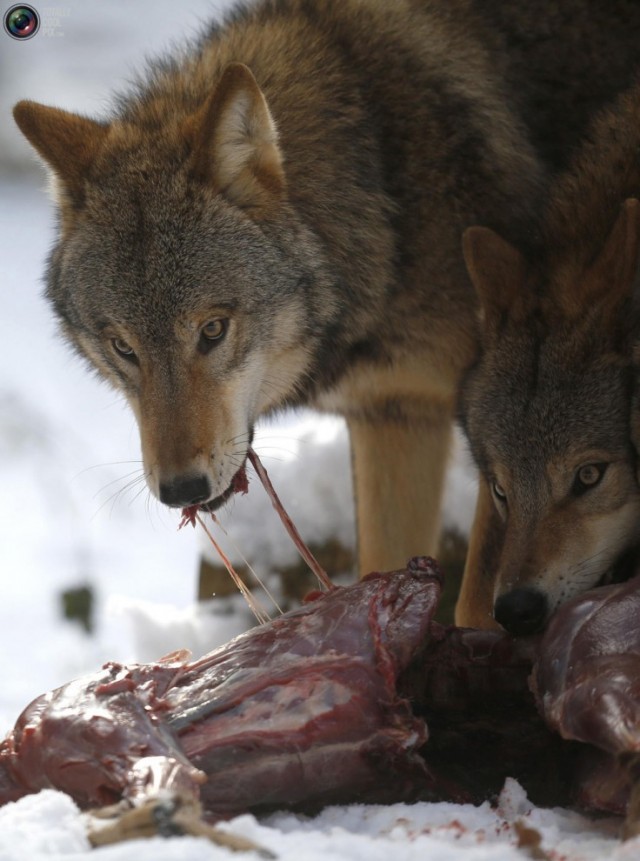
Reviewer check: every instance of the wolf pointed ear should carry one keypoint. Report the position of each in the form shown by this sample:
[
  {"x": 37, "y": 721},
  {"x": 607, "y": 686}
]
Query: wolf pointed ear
[
  {"x": 611, "y": 276},
  {"x": 498, "y": 273},
  {"x": 67, "y": 142},
  {"x": 236, "y": 142}
]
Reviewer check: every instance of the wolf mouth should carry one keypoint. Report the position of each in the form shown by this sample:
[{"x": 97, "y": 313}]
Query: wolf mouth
[
  {"x": 239, "y": 484},
  {"x": 624, "y": 568}
]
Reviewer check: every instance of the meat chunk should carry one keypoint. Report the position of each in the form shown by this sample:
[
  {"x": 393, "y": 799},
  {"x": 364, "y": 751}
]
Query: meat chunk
[
  {"x": 302, "y": 710},
  {"x": 587, "y": 678},
  {"x": 587, "y": 686}
]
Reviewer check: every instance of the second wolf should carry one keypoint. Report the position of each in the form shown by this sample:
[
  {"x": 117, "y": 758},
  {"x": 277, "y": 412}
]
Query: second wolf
[
  {"x": 547, "y": 405},
  {"x": 273, "y": 219}
]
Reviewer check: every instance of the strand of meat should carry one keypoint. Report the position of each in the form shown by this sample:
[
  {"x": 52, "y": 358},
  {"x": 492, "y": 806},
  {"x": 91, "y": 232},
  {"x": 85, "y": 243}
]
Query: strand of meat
[
  {"x": 247, "y": 564},
  {"x": 191, "y": 514},
  {"x": 288, "y": 524},
  {"x": 261, "y": 615}
]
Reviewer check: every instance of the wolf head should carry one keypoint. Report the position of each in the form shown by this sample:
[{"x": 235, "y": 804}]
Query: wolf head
[
  {"x": 182, "y": 274},
  {"x": 547, "y": 410}
]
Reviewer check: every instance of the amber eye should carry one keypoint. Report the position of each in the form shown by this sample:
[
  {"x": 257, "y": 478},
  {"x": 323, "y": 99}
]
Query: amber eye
[
  {"x": 212, "y": 333},
  {"x": 122, "y": 348},
  {"x": 214, "y": 329},
  {"x": 588, "y": 476}
]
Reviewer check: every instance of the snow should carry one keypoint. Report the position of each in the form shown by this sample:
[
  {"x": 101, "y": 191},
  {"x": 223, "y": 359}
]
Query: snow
[
  {"x": 74, "y": 512},
  {"x": 48, "y": 826}
]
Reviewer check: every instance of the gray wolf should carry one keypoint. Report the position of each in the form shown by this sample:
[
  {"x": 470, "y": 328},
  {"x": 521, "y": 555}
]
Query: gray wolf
[
  {"x": 273, "y": 219},
  {"x": 547, "y": 406}
]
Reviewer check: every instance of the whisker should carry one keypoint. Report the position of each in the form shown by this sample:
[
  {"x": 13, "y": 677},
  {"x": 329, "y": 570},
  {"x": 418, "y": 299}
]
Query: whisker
[
  {"x": 280, "y": 448},
  {"x": 121, "y": 494},
  {"x": 104, "y": 466},
  {"x": 114, "y": 496},
  {"x": 235, "y": 460},
  {"x": 142, "y": 490},
  {"x": 272, "y": 457},
  {"x": 241, "y": 437},
  {"x": 584, "y": 570},
  {"x": 156, "y": 510},
  {"x": 116, "y": 480}
]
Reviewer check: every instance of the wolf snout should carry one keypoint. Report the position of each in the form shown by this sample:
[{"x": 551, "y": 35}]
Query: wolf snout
[
  {"x": 185, "y": 490},
  {"x": 521, "y": 611}
]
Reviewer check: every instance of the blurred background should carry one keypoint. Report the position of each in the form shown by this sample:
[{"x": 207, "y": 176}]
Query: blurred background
[{"x": 91, "y": 567}]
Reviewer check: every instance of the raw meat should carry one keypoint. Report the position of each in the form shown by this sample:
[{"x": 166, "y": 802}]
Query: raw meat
[
  {"x": 303, "y": 710},
  {"x": 587, "y": 685},
  {"x": 330, "y": 703}
]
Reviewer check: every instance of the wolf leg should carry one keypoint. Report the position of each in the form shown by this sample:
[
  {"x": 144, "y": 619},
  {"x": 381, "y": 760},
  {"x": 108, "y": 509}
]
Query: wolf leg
[
  {"x": 398, "y": 473},
  {"x": 475, "y": 602}
]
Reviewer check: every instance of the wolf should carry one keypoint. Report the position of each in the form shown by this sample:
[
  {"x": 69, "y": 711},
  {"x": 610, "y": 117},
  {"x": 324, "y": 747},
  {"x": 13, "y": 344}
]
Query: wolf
[
  {"x": 550, "y": 406},
  {"x": 273, "y": 219}
]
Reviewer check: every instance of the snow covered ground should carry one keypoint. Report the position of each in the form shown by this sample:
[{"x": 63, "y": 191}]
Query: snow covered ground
[
  {"x": 73, "y": 513},
  {"x": 47, "y": 826}
]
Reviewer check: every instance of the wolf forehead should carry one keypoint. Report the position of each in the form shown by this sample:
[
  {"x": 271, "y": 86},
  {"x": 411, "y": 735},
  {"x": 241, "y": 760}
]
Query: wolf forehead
[
  {"x": 533, "y": 407},
  {"x": 163, "y": 244}
]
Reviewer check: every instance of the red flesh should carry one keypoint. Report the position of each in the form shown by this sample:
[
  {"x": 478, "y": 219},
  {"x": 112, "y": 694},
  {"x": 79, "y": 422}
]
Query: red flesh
[
  {"x": 304, "y": 709},
  {"x": 588, "y": 676},
  {"x": 314, "y": 708}
]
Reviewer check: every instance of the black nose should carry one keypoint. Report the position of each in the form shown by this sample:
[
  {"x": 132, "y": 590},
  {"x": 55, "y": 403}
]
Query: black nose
[
  {"x": 185, "y": 490},
  {"x": 521, "y": 611}
]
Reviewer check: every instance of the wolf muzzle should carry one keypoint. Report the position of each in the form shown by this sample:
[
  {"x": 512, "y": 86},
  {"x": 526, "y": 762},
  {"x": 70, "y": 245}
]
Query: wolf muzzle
[
  {"x": 185, "y": 490},
  {"x": 522, "y": 611}
]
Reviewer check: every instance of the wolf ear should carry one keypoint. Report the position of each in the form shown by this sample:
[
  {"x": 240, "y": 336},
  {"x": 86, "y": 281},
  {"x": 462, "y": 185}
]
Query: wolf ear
[
  {"x": 498, "y": 273},
  {"x": 612, "y": 274},
  {"x": 67, "y": 142},
  {"x": 236, "y": 142}
]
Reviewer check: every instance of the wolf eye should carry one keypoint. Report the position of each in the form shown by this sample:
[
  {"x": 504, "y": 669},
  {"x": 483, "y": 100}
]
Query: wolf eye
[
  {"x": 123, "y": 349},
  {"x": 498, "y": 491},
  {"x": 588, "y": 476},
  {"x": 214, "y": 329},
  {"x": 212, "y": 332}
]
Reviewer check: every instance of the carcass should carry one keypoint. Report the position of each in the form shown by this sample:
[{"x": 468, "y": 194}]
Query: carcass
[
  {"x": 303, "y": 710},
  {"x": 356, "y": 696}
]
